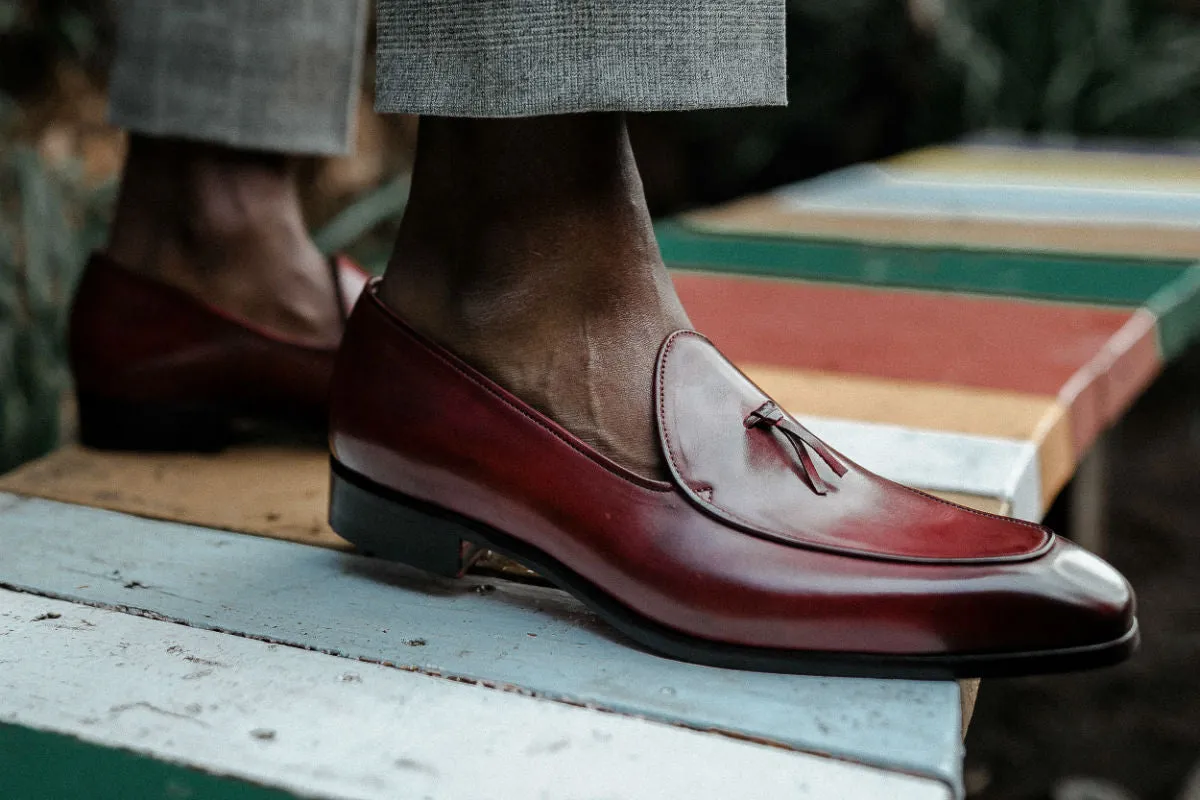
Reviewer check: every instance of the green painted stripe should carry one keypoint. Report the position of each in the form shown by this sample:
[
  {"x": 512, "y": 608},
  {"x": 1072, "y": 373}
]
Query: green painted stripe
[
  {"x": 38, "y": 765},
  {"x": 1090, "y": 279},
  {"x": 1177, "y": 307}
]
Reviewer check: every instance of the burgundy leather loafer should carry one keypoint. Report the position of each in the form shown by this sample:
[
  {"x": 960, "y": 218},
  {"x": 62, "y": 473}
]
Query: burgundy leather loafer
[
  {"x": 767, "y": 550},
  {"x": 157, "y": 369}
]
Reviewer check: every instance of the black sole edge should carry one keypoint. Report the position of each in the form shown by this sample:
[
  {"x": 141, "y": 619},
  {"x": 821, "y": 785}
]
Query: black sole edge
[
  {"x": 353, "y": 495},
  {"x": 118, "y": 425}
]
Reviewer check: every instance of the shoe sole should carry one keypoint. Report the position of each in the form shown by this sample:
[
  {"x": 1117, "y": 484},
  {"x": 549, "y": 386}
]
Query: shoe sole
[
  {"x": 390, "y": 525},
  {"x": 108, "y": 424}
]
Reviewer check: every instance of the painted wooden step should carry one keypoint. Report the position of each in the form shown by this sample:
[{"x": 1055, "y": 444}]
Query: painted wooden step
[
  {"x": 222, "y": 717},
  {"x": 523, "y": 638}
]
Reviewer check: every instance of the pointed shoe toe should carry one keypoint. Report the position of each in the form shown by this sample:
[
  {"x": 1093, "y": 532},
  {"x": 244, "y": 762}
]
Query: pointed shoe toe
[
  {"x": 767, "y": 549},
  {"x": 1079, "y": 601}
]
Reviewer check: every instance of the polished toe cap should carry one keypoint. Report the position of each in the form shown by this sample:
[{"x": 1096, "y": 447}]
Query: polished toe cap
[{"x": 1079, "y": 598}]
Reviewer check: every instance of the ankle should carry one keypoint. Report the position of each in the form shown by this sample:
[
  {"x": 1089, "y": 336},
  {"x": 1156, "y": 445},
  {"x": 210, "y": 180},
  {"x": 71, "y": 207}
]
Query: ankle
[
  {"x": 523, "y": 227},
  {"x": 528, "y": 251},
  {"x": 225, "y": 226},
  {"x": 189, "y": 210}
]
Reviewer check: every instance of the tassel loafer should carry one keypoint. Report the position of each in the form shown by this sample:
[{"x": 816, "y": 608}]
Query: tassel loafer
[{"x": 767, "y": 549}]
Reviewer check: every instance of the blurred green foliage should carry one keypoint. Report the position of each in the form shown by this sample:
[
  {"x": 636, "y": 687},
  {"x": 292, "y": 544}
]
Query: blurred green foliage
[
  {"x": 867, "y": 78},
  {"x": 48, "y": 221},
  {"x": 37, "y": 35},
  {"x": 870, "y": 78},
  {"x": 1089, "y": 67},
  {"x": 46, "y": 226}
]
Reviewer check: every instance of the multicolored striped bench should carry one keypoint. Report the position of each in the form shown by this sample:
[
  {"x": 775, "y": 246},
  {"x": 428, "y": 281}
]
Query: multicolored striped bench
[
  {"x": 894, "y": 307},
  {"x": 970, "y": 319}
]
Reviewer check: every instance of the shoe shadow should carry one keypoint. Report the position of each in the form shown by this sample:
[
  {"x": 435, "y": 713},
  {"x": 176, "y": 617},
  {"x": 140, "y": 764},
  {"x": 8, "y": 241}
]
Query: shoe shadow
[{"x": 531, "y": 597}]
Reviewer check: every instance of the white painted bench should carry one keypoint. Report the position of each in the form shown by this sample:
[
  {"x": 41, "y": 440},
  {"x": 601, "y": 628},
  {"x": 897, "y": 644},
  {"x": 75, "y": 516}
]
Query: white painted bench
[{"x": 327, "y": 674}]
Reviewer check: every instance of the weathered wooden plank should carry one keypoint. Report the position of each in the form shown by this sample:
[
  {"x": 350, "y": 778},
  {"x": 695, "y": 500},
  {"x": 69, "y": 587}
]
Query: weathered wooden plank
[
  {"x": 511, "y": 635},
  {"x": 267, "y": 490},
  {"x": 325, "y": 727}
]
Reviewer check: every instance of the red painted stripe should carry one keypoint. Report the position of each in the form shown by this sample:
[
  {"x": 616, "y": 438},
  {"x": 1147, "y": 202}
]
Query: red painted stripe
[
  {"x": 1104, "y": 388},
  {"x": 960, "y": 340}
]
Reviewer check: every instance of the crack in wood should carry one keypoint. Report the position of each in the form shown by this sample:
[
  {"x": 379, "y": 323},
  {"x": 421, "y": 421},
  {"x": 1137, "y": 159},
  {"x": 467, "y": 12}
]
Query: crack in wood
[{"x": 142, "y": 704}]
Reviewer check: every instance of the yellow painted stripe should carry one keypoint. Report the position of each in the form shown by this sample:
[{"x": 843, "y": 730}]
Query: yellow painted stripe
[
  {"x": 992, "y": 505},
  {"x": 1056, "y": 453},
  {"x": 910, "y": 404},
  {"x": 278, "y": 492},
  {"x": 1129, "y": 170},
  {"x": 929, "y": 406}
]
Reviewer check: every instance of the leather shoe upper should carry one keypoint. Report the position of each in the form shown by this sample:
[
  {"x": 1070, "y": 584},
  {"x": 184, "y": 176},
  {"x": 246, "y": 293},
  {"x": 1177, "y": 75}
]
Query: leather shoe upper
[
  {"x": 754, "y": 476},
  {"x": 137, "y": 340},
  {"x": 757, "y": 540}
]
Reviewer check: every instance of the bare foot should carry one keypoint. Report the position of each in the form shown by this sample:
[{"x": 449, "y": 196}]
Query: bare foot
[
  {"x": 225, "y": 226},
  {"x": 528, "y": 251}
]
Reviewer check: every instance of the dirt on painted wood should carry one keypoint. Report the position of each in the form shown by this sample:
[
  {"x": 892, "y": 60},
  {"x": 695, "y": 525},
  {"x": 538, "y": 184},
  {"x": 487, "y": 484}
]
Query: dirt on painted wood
[{"x": 1136, "y": 727}]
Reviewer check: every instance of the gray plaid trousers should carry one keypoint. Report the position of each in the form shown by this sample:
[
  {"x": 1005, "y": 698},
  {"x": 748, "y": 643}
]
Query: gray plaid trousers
[{"x": 283, "y": 74}]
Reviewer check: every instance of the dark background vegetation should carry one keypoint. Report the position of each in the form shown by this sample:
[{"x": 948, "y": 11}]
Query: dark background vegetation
[{"x": 868, "y": 78}]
